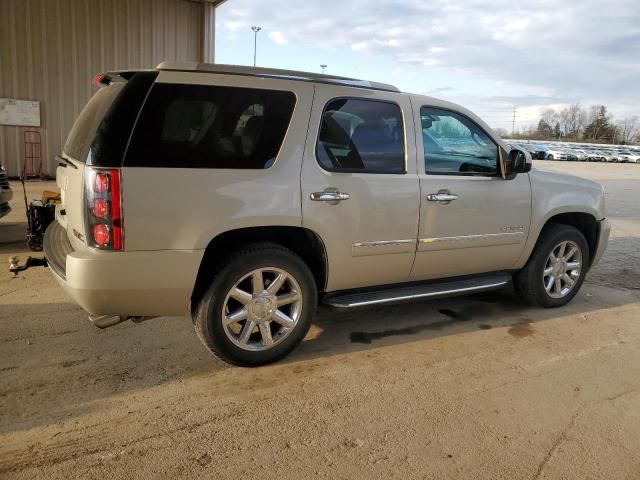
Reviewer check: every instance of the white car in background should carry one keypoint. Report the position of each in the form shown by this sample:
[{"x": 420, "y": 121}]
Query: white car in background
[
  {"x": 582, "y": 155},
  {"x": 555, "y": 154},
  {"x": 610, "y": 156},
  {"x": 627, "y": 156}
]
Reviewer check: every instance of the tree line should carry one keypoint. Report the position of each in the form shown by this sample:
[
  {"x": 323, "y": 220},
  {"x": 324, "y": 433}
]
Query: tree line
[{"x": 574, "y": 123}]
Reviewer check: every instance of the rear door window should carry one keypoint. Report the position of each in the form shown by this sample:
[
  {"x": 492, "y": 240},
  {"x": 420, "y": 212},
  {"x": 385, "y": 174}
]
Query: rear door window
[
  {"x": 197, "y": 126},
  {"x": 361, "y": 136}
]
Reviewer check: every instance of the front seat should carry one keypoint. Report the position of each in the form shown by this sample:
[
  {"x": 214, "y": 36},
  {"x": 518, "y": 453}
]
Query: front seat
[{"x": 378, "y": 150}]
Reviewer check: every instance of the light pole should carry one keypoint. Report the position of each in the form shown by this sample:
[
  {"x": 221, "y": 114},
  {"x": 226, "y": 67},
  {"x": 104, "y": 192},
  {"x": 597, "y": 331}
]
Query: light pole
[
  {"x": 323, "y": 67},
  {"x": 255, "y": 29}
]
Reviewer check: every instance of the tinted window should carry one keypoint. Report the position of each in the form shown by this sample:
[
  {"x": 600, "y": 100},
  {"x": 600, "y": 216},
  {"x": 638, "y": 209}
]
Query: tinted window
[
  {"x": 453, "y": 144},
  {"x": 361, "y": 136},
  {"x": 85, "y": 126},
  {"x": 195, "y": 126},
  {"x": 100, "y": 133}
]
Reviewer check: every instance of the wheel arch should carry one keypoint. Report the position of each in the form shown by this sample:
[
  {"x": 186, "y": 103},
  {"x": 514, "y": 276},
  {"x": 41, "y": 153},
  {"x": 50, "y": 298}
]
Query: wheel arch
[
  {"x": 586, "y": 223},
  {"x": 304, "y": 242}
]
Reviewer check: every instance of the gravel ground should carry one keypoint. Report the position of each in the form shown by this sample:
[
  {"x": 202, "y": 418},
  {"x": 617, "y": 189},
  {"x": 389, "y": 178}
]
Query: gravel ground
[{"x": 472, "y": 387}]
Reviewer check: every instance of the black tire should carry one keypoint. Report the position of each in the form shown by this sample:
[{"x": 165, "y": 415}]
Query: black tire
[
  {"x": 550, "y": 157},
  {"x": 208, "y": 318},
  {"x": 529, "y": 281}
]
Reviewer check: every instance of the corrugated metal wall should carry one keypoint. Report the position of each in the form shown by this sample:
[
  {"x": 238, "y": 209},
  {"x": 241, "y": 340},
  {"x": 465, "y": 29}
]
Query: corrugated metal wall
[{"x": 51, "y": 49}]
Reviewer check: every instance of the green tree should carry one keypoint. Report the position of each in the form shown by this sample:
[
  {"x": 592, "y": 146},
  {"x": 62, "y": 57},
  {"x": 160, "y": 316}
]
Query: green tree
[
  {"x": 599, "y": 126},
  {"x": 544, "y": 132},
  {"x": 556, "y": 130}
]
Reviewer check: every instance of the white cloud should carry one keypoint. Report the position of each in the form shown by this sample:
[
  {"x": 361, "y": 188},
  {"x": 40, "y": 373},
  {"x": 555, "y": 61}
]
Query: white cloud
[
  {"x": 585, "y": 50},
  {"x": 233, "y": 25},
  {"x": 360, "y": 46},
  {"x": 278, "y": 37}
]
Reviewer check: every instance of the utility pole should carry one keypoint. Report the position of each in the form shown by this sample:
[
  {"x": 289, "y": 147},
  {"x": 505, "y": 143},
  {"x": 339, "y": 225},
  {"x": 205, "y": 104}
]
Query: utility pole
[
  {"x": 255, "y": 29},
  {"x": 323, "y": 67},
  {"x": 513, "y": 123}
]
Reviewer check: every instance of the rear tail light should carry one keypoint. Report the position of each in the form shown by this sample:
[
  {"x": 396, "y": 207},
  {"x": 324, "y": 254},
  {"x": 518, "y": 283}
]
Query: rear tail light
[
  {"x": 100, "y": 208},
  {"x": 103, "y": 211},
  {"x": 101, "y": 182},
  {"x": 101, "y": 235}
]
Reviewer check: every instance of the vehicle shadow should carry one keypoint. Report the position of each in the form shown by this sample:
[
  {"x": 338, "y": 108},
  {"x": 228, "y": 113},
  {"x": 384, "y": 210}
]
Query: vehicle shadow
[
  {"x": 341, "y": 332},
  {"x": 614, "y": 282},
  {"x": 54, "y": 364}
]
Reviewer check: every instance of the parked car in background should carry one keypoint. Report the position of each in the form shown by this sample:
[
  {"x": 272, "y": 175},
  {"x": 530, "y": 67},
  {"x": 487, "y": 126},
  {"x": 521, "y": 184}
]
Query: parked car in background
[
  {"x": 625, "y": 156},
  {"x": 572, "y": 156},
  {"x": 556, "y": 154},
  {"x": 540, "y": 152},
  {"x": 531, "y": 149},
  {"x": 582, "y": 152},
  {"x": 634, "y": 156},
  {"x": 581, "y": 155},
  {"x": 597, "y": 156},
  {"x": 6, "y": 194}
]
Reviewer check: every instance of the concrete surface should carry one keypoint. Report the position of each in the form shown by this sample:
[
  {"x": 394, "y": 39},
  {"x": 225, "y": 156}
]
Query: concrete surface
[{"x": 475, "y": 387}]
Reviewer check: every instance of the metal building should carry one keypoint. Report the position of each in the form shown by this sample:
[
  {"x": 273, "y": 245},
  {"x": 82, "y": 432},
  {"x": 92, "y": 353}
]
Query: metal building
[{"x": 51, "y": 49}]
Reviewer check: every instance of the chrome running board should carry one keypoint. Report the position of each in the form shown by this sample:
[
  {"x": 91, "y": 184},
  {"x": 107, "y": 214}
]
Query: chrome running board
[{"x": 445, "y": 288}]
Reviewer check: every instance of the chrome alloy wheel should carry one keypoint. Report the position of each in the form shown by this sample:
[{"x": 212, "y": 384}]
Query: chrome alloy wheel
[
  {"x": 562, "y": 269},
  {"x": 262, "y": 309}
]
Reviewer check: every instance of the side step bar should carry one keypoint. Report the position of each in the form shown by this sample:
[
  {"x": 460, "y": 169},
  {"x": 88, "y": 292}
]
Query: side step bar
[{"x": 361, "y": 298}]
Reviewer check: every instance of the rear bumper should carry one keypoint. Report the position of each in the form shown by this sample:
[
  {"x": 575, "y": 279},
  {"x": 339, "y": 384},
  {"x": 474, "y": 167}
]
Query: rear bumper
[
  {"x": 604, "y": 230},
  {"x": 155, "y": 283}
]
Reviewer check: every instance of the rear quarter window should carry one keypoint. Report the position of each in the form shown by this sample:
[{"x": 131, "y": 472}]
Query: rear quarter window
[
  {"x": 198, "y": 126},
  {"x": 101, "y": 132},
  {"x": 85, "y": 126}
]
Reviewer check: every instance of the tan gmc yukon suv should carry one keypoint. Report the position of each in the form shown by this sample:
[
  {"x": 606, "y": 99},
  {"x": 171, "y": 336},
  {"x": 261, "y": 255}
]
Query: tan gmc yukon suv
[{"x": 245, "y": 196}]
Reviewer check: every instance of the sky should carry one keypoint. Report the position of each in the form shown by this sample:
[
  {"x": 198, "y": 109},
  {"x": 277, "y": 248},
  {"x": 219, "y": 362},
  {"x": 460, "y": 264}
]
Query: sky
[{"x": 487, "y": 55}]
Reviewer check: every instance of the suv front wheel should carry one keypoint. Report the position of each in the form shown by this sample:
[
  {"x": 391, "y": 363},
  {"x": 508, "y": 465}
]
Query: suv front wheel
[
  {"x": 555, "y": 272},
  {"x": 259, "y": 306}
]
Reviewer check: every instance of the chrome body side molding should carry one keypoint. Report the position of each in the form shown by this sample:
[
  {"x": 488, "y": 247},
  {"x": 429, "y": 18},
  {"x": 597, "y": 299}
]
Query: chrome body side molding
[
  {"x": 470, "y": 241},
  {"x": 383, "y": 247}
]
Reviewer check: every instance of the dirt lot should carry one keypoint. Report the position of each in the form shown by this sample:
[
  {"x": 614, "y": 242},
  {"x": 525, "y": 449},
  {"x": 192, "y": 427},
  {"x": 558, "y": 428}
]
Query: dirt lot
[{"x": 473, "y": 387}]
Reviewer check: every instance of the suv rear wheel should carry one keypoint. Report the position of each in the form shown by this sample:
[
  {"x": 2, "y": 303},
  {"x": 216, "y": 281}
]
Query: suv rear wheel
[
  {"x": 259, "y": 306},
  {"x": 556, "y": 269}
]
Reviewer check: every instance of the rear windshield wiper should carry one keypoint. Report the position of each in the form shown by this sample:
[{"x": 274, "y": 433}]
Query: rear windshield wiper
[{"x": 63, "y": 162}]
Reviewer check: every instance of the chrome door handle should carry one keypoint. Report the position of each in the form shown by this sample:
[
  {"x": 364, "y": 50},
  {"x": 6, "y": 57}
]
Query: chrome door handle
[
  {"x": 329, "y": 196},
  {"x": 441, "y": 197}
]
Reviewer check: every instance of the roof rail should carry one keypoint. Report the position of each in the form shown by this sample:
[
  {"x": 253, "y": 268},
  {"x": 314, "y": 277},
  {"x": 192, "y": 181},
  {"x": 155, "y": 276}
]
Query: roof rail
[{"x": 275, "y": 73}]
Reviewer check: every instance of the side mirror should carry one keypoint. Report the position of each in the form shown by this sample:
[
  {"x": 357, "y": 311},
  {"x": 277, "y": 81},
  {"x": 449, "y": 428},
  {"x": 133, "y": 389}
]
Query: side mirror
[{"x": 518, "y": 161}]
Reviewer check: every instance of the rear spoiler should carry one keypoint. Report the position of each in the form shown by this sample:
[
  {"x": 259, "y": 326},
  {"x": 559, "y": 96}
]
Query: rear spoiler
[{"x": 107, "y": 78}]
